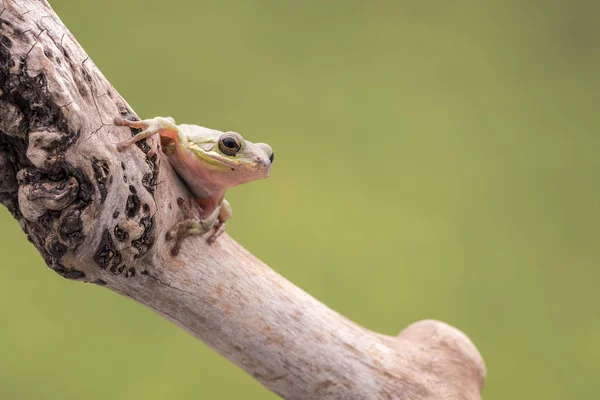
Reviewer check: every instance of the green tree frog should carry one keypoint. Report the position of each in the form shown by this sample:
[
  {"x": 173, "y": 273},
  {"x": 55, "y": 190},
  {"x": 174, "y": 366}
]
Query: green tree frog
[{"x": 209, "y": 162}]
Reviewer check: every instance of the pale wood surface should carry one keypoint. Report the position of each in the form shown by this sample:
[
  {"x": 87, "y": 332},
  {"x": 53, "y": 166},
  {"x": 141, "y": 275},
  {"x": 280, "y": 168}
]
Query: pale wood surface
[{"x": 98, "y": 215}]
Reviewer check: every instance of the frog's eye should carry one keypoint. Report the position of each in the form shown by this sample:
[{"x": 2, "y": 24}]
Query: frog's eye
[{"x": 229, "y": 144}]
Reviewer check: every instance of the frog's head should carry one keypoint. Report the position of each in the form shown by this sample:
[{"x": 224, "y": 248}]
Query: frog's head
[{"x": 234, "y": 159}]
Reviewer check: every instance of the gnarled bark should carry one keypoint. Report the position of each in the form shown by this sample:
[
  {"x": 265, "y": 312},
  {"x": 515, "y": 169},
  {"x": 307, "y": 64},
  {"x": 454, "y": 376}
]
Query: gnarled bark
[{"x": 97, "y": 215}]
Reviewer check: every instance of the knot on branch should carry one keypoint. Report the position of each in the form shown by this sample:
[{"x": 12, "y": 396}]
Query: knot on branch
[
  {"x": 448, "y": 353},
  {"x": 57, "y": 174},
  {"x": 12, "y": 122},
  {"x": 46, "y": 188},
  {"x": 51, "y": 202},
  {"x": 45, "y": 148},
  {"x": 37, "y": 198}
]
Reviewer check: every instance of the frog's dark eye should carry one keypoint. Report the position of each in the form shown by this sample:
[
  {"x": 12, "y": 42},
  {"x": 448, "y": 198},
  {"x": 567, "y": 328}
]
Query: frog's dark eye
[{"x": 229, "y": 144}]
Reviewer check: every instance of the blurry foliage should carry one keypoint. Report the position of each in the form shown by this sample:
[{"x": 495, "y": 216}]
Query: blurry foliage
[{"x": 434, "y": 160}]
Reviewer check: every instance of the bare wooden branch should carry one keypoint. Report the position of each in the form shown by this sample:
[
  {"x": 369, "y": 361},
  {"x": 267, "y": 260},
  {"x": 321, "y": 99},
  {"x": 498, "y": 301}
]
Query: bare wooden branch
[{"x": 97, "y": 215}]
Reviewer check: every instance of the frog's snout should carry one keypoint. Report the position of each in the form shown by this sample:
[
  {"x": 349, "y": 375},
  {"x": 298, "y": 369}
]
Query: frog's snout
[
  {"x": 267, "y": 162},
  {"x": 264, "y": 164},
  {"x": 268, "y": 154}
]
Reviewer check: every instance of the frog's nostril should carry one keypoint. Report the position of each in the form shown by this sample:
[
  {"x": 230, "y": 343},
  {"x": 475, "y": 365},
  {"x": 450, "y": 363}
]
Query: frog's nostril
[{"x": 272, "y": 157}]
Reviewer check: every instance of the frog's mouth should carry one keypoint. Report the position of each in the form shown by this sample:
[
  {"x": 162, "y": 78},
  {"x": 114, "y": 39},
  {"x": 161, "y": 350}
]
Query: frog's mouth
[{"x": 220, "y": 160}]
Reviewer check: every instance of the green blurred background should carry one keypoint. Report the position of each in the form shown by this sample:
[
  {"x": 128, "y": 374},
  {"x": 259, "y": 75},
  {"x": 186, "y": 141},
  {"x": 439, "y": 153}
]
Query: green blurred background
[{"x": 434, "y": 160}]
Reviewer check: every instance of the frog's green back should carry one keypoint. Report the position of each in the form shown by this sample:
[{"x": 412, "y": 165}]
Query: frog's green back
[{"x": 200, "y": 134}]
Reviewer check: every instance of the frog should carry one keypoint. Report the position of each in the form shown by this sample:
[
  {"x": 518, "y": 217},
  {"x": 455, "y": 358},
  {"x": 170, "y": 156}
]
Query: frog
[{"x": 209, "y": 162}]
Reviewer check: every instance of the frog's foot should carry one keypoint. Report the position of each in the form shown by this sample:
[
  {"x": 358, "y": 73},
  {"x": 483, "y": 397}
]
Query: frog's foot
[
  {"x": 219, "y": 229},
  {"x": 187, "y": 228},
  {"x": 154, "y": 146},
  {"x": 132, "y": 124},
  {"x": 150, "y": 127}
]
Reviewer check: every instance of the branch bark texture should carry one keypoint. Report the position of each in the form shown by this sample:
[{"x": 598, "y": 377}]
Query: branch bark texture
[{"x": 100, "y": 216}]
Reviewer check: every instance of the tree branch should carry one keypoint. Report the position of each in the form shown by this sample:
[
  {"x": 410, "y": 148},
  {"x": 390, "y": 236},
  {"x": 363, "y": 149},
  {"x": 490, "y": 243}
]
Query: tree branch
[{"x": 97, "y": 215}]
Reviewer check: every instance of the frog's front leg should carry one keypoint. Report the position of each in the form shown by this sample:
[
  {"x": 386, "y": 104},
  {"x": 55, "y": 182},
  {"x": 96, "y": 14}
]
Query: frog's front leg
[
  {"x": 191, "y": 227},
  {"x": 187, "y": 228},
  {"x": 213, "y": 216},
  {"x": 164, "y": 127},
  {"x": 225, "y": 214},
  {"x": 207, "y": 220}
]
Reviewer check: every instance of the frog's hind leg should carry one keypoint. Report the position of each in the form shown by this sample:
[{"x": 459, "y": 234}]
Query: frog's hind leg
[
  {"x": 132, "y": 124},
  {"x": 154, "y": 146},
  {"x": 145, "y": 133},
  {"x": 159, "y": 125}
]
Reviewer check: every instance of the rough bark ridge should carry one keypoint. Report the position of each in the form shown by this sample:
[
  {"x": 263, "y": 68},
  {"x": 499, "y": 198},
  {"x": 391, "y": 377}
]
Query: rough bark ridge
[{"x": 100, "y": 216}]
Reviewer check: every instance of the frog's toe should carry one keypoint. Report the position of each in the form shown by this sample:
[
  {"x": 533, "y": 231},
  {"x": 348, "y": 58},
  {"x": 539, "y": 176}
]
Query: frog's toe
[
  {"x": 122, "y": 145},
  {"x": 154, "y": 146},
  {"x": 132, "y": 124},
  {"x": 219, "y": 229}
]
